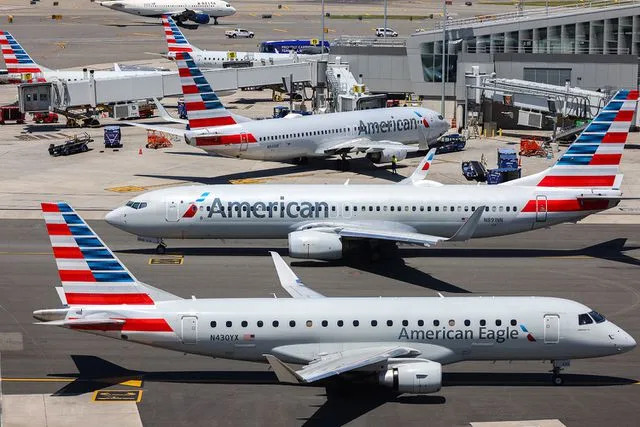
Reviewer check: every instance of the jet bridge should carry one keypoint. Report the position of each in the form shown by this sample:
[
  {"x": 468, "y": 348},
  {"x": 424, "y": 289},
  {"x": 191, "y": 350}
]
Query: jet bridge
[{"x": 92, "y": 93}]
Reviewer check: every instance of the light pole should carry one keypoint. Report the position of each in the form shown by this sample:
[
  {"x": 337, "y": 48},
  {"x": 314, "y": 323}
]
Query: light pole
[
  {"x": 385, "y": 20},
  {"x": 444, "y": 51},
  {"x": 322, "y": 38}
]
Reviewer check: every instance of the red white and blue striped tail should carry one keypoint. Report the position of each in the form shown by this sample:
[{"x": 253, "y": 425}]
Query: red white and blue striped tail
[
  {"x": 593, "y": 160},
  {"x": 176, "y": 41},
  {"x": 204, "y": 108},
  {"x": 90, "y": 273},
  {"x": 15, "y": 57}
]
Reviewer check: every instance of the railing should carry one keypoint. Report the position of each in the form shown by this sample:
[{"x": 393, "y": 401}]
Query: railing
[
  {"x": 536, "y": 12},
  {"x": 552, "y": 49},
  {"x": 368, "y": 41}
]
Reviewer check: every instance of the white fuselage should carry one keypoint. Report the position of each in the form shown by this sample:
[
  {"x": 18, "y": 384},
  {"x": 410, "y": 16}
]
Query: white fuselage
[
  {"x": 445, "y": 330},
  {"x": 274, "y": 211},
  {"x": 213, "y": 8},
  {"x": 307, "y": 136},
  {"x": 219, "y": 58}
]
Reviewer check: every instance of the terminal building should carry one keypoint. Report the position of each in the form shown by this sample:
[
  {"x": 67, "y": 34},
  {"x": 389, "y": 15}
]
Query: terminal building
[{"x": 592, "y": 46}]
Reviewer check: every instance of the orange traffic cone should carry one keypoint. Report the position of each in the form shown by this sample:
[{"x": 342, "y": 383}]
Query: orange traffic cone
[{"x": 140, "y": 151}]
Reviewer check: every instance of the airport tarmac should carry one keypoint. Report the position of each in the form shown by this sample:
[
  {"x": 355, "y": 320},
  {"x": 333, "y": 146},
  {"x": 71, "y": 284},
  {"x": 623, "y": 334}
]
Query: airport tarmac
[{"x": 594, "y": 264}]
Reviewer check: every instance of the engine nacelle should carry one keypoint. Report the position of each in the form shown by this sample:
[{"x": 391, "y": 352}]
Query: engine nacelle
[
  {"x": 200, "y": 18},
  {"x": 419, "y": 377},
  {"x": 311, "y": 244},
  {"x": 385, "y": 155}
]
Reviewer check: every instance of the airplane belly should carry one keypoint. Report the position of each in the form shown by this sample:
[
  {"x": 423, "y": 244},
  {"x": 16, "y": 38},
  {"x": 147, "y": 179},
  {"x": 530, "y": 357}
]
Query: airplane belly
[{"x": 236, "y": 230}]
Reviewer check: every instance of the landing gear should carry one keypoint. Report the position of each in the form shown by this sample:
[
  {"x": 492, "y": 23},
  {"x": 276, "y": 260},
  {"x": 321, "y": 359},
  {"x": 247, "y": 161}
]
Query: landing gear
[
  {"x": 215, "y": 21},
  {"x": 343, "y": 162},
  {"x": 558, "y": 366},
  {"x": 161, "y": 249},
  {"x": 301, "y": 161}
]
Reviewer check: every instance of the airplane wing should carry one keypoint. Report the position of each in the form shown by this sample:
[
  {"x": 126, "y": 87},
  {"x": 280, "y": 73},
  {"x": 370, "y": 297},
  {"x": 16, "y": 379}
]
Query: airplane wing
[
  {"x": 290, "y": 282},
  {"x": 397, "y": 232},
  {"x": 364, "y": 145},
  {"x": 165, "y": 129},
  {"x": 422, "y": 170},
  {"x": 337, "y": 363}
]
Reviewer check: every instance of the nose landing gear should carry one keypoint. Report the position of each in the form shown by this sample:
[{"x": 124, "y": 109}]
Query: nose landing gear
[
  {"x": 161, "y": 249},
  {"x": 558, "y": 366}
]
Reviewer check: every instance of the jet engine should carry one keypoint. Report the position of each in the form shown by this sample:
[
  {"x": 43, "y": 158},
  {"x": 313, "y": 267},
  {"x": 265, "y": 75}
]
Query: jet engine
[
  {"x": 200, "y": 18},
  {"x": 313, "y": 244},
  {"x": 190, "y": 15},
  {"x": 385, "y": 155},
  {"x": 417, "y": 376}
]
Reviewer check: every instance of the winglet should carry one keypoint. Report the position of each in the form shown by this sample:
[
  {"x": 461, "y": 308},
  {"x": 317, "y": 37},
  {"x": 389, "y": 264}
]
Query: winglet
[
  {"x": 289, "y": 281},
  {"x": 422, "y": 170},
  {"x": 116, "y": 67},
  {"x": 284, "y": 373},
  {"x": 164, "y": 114},
  {"x": 465, "y": 232}
]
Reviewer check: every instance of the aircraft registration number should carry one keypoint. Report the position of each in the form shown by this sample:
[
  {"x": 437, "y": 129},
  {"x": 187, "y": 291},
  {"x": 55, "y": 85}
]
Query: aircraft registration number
[{"x": 228, "y": 337}]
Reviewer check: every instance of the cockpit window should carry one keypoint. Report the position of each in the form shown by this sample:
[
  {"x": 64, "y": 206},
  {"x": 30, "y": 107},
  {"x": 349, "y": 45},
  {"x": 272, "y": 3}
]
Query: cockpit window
[
  {"x": 599, "y": 318},
  {"x": 136, "y": 205},
  {"x": 440, "y": 117},
  {"x": 584, "y": 319}
]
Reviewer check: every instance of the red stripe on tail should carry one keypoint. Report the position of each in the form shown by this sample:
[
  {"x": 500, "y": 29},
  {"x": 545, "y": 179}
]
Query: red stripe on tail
[
  {"x": 108, "y": 299},
  {"x": 577, "y": 181}
]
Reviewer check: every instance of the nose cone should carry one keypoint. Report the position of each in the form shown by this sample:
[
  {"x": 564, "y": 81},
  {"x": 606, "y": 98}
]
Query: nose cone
[
  {"x": 232, "y": 10},
  {"x": 624, "y": 341},
  {"x": 115, "y": 218}
]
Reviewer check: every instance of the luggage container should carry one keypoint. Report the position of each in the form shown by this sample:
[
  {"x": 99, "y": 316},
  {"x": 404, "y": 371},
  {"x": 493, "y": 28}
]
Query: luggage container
[
  {"x": 11, "y": 113},
  {"x": 78, "y": 144},
  {"x": 112, "y": 137},
  {"x": 507, "y": 158},
  {"x": 474, "y": 171}
]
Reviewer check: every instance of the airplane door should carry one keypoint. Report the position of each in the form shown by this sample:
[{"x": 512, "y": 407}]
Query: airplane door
[
  {"x": 172, "y": 211},
  {"x": 541, "y": 208},
  {"x": 189, "y": 329},
  {"x": 244, "y": 141},
  {"x": 551, "y": 329}
]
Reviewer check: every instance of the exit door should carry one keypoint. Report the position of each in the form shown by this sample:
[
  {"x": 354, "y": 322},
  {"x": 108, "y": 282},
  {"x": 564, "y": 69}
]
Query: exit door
[
  {"x": 541, "y": 208},
  {"x": 244, "y": 141},
  {"x": 189, "y": 330},
  {"x": 172, "y": 211},
  {"x": 551, "y": 329}
]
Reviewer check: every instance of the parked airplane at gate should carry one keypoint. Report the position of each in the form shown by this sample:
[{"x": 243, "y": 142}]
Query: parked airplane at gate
[
  {"x": 379, "y": 133},
  {"x": 321, "y": 221},
  {"x": 177, "y": 42},
  {"x": 400, "y": 343},
  {"x": 197, "y": 11},
  {"x": 20, "y": 66}
]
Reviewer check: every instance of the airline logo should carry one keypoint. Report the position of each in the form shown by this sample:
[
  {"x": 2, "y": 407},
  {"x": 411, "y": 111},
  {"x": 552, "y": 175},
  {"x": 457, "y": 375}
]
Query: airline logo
[
  {"x": 529, "y": 335},
  {"x": 593, "y": 159},
  {"x": 15, "y": 57},
  {"x": 427, "y": 163},
  {"x": 176, "y": 41},
  {"x": 485, "y": 333},
  {"x": 204, "y": 108},
  {"x": 90, "y": 273},
  {"x": 425, "y": 123}
]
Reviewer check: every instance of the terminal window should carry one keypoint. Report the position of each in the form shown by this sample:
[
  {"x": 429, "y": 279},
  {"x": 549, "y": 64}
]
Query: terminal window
[{"x": 552, "y": 76}]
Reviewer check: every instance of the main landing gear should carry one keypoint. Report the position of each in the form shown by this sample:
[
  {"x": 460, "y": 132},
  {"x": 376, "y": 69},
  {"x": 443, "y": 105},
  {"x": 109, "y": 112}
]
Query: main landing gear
[
  {"x": 343, "y": 162},
  {"x": 161, "y": 249},
  {"x": 558, "y": 366},
  {"x": 215, "y": 21}
]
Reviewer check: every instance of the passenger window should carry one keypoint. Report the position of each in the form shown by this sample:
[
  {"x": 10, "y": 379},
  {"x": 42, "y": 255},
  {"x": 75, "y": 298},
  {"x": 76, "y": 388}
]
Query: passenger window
[
  {"x": 493, "y": 208},
  {"x": 309, "y": 323},
  {"x": 515, "y": 208},
  {"x": 420, "y": 322},
  {"x": 513, "y": 322},
  {"x": 437, "y": 208},
  {"x": 405, "y": 323},
  {"x": 229, "y": 324},
  {"x": 292, "y": 323},
  {"x": 452, "y": 322},
  {"x": 483, "y": 322},
  {"x": 508, "y": 208},
  {"x": 436, "y": 323},
  {"x": 340, "y": 323},
  {"x": 413, "y": 208},
  {"x": 498, "y": 322},
  {"x": 467, "y": 322},
  {"x": 486, "y": 208},
  {"x": 466, "y": 208},
  {"x": 275, "y": 323},
  {"x": 389, "y": 322},
  {"x": 392, "y": 208},
  {"x": 501, "y": 208},
  {"x": 213, "y": 324},
  {"x": 244, "y": 323},
  {"x": 377, "y": 208},
  {"x": 374, "y": 323},
  {"x": 325, "y": 323},
  {"x": 356, "y": 323},
  {"x": 584, "y": 319},
  {"x": 260, "y": 323}
]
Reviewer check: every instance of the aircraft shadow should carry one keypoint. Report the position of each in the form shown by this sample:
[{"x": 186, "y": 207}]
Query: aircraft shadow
[{"x": 345, "y": 401}]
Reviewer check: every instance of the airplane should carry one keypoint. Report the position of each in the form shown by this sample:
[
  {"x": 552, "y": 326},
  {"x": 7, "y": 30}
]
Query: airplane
[
  {"x": 197, "y": 11},
  {"x": 22, "y": 68},
  {"x": 399, "y": 343},
  {"x": 177, "y": 42},
  {"x": 326, "y": 221},
  {"x": 380, "y": 133}
]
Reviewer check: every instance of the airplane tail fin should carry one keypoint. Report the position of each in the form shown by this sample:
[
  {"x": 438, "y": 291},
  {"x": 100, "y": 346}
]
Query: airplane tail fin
[
  {"x": 90, "y": 273},
  {"x": 15, "y": 57},
  {"x": 420, "y": 173},
  {"x": 204, "y": 108},
  {"x": 176, "y": 41},
  {"x": 593, "y": 160}
]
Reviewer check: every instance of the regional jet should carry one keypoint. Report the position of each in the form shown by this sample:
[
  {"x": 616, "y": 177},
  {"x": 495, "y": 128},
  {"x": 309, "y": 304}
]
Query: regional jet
[
  {"x": 324, "y": 221},
  {"x": 22, "y": 68},
  {"x": 399, "y": 343},
  {"x": 197, "y": 11},
  {"x": 177, "y": 42},
  {"x": 379, "y": 133}
]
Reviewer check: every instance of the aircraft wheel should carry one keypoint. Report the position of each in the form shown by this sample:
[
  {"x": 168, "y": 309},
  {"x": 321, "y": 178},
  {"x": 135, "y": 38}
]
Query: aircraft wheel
[
  {"x": 557, "y": 380},
  {"x": 161, "y": 249},
  {"x": 215, "y": 21}
]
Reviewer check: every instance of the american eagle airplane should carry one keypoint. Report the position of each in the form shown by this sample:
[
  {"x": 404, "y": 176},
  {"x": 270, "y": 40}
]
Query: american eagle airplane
[
  {"x": 380, "y": 133},
  {"x": 321, "y": 221},
  {"x": 177, "y": 42},
  {"x": 197, "y": 11},
  {"x": 400, "y": 343},
  {"x": 20, "y": 66}
]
